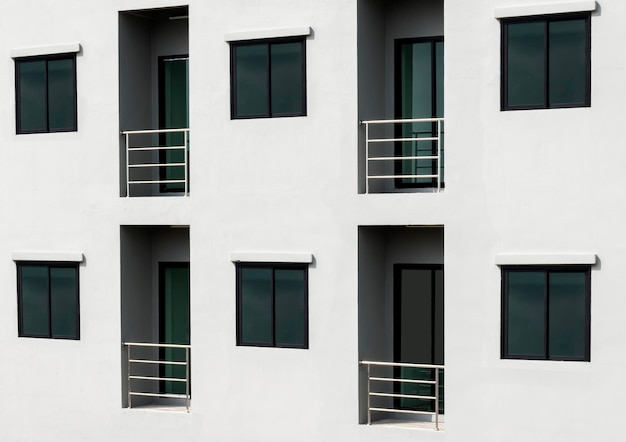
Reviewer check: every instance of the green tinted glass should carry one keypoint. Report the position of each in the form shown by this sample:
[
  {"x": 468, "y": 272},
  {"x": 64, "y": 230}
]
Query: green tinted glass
[
  {"x": 61, "y": 94},
  {"x": 251, "y": 77},
  {"x": 567, "y": 321},
  {"x": 256, "y": 306},
  {"x": 289, "y": 299},
  {"x": 567, "y": 62},
  {"x": 526, "y": 64},
  {"x": 526, "y": 314},
  {"x": 34, "y": 300},
  {"x": 64, "y": 302},
  {"x": 287, "y": 81},
  {"x": 32, "y": 96}
]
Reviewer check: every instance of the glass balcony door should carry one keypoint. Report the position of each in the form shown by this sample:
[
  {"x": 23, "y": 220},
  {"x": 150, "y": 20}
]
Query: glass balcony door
[
  {"x": 418, "y": 330},
  {"x": 174, "y": 114},
  {"x": 174, "y": 325},
  {"x": 418, "y": 94}
]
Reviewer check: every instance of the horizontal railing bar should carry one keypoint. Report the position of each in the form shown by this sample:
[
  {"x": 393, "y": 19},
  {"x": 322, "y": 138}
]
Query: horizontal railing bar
[
  {"x": 181, "y": 147},
  {"x": 148, "y": 361},
  {"x": 153, "y": 131},
  {"x": 170, "y": 395},
  {"x": 148, "y": 344},
  {"x": 396, "y": 410},
  {"x": 400, "y": 364},
  {"x": 158, "y": 182},
  {"x": 404, "y": 120},
  {"x": 408, "y": 381},
  {"x": 154, "y": 378},
  {"x": 402, "y": 158},
  {"x": 408, "y": 396},
  {"x": 385, "y": 140},
  {"x": 134, "y": 166},
  {"x": 399, "y": 176}
]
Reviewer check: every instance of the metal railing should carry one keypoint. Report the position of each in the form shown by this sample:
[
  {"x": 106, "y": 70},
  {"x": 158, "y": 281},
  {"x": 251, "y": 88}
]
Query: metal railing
[
  {"x": 160, "y": 361},
  {"x": 415, "y": 138},
  {"x": 387, "y": 380},
  {"x": 132, "y": 164}
]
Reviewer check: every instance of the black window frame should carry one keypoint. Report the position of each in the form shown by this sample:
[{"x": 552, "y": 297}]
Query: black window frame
[
  {"x": 18, "y": 104},
  {"x": 49, "y": 264},
  {"x": 546, "y": 19},
  {"x": 268, "y": 42},
  {"x": 273, "y": 267},
  {"x": 546, "y": 269}
]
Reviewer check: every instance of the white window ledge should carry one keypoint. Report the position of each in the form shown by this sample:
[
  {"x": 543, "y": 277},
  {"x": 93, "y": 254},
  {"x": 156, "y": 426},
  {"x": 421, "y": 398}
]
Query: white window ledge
[
  {"x": 546, "y": 259},
  {"x": 267, "y": 33},
  {"x": 45, "y": 50},
  {"x": 48, "y": 256},
  {"x": 278, "y": 257},
  {"x": 545, "y": 9}
]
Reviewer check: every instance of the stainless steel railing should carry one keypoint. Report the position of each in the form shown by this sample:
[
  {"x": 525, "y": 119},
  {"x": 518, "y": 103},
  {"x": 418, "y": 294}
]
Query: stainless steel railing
[
  {"x": 374, "y": 379},
  {"x": 416, "y": 139},
  {"x": 132, "y": 362},
  {"x": 132, "y": 164}
]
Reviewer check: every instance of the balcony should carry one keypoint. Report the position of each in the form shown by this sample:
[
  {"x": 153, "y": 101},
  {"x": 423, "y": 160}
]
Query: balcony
[
  {"x": 403, "y": 154},
  {"x": 154, "y": 102},
  {"x": 413, "y": 389},
  {"x": 157, "y": 161},
  {"x": 158, "y": 371}
]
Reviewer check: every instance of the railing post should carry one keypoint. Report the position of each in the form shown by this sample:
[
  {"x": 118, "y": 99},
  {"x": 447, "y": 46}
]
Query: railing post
[
  {"x": 128, "y": 375},
  {"x": 369, "y": 408},
  {"x": 438, "y": 155},
  {"x": 367, "y": 160},
  {"x": 437, "y": 399},
  {"x": 126, "y": 135},
  {"x": 186, "y": 163},
  {"x": 187, "y": 377}
]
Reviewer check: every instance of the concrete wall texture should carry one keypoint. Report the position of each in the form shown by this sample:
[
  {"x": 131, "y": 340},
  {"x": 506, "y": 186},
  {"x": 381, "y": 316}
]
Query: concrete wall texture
[{"x": 520, "y": 182}]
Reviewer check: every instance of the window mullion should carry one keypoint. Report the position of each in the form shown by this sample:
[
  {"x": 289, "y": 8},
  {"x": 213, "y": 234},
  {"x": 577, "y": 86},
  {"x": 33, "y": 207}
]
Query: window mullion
[
  {"x": 47, "y": 101},
  {"x": 268, "y": 55},
  {"x": 547, "y": 315},
  {"x": 273, "y": 285},
  {"x": 49, "y": 285},
  {"x": 546, "y": 51}
]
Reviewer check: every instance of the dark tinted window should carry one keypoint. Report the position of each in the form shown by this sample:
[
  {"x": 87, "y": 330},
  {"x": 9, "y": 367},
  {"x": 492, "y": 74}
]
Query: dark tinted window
[
  {"x": 546, "y": 62},
  {"x": 272, "y": 305},
  {"x": 268, "y": 78}
]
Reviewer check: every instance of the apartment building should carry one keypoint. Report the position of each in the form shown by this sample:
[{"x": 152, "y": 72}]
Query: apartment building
[{"x": 330, "y": 220}]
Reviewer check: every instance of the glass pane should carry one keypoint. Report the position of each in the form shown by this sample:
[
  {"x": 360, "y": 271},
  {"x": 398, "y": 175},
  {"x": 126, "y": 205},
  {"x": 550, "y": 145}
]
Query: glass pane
[
  {"x": 416, "y": 101},
  {"x": 290, "y": 307},
  {"x": 439, "y": 111},
  {"x": 526, "y": 314},
  {"x": 34, "y": 299},
  {"x": 287, "y": 81},
  {"x": 61, "y": 108},
  {"x": 175, "y": 97},
  {"x": 567, "y": 315},
  {"x": 64, "y": 302},
  {"x": 175, "y": 327},
  {"x": 256, "y": 306},
  {"x": 32, "y": 96},
  {"x": 251, "y": 78},
  {"x": 526, "y": 64},
  {"x": 567, "y": 62}
]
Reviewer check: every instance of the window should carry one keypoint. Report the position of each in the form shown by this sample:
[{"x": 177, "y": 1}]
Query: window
[
  {"x": 47, "y": 297},
  {"x": 545, "y": 312},
  {"x": 46, "y": 94},
  {"x": 268, "y": 78},
  {"x": 546, "y": 62},
  {"x": 272, "y": 305}
]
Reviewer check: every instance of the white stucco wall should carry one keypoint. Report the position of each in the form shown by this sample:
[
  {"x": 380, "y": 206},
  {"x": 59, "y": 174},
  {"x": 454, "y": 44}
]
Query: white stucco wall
[{"x": 541, "y": 181}]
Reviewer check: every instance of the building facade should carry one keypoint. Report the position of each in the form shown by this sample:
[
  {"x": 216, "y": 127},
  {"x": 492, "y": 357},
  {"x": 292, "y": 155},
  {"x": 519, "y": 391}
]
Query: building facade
[{"x": 266, "y": 220}]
